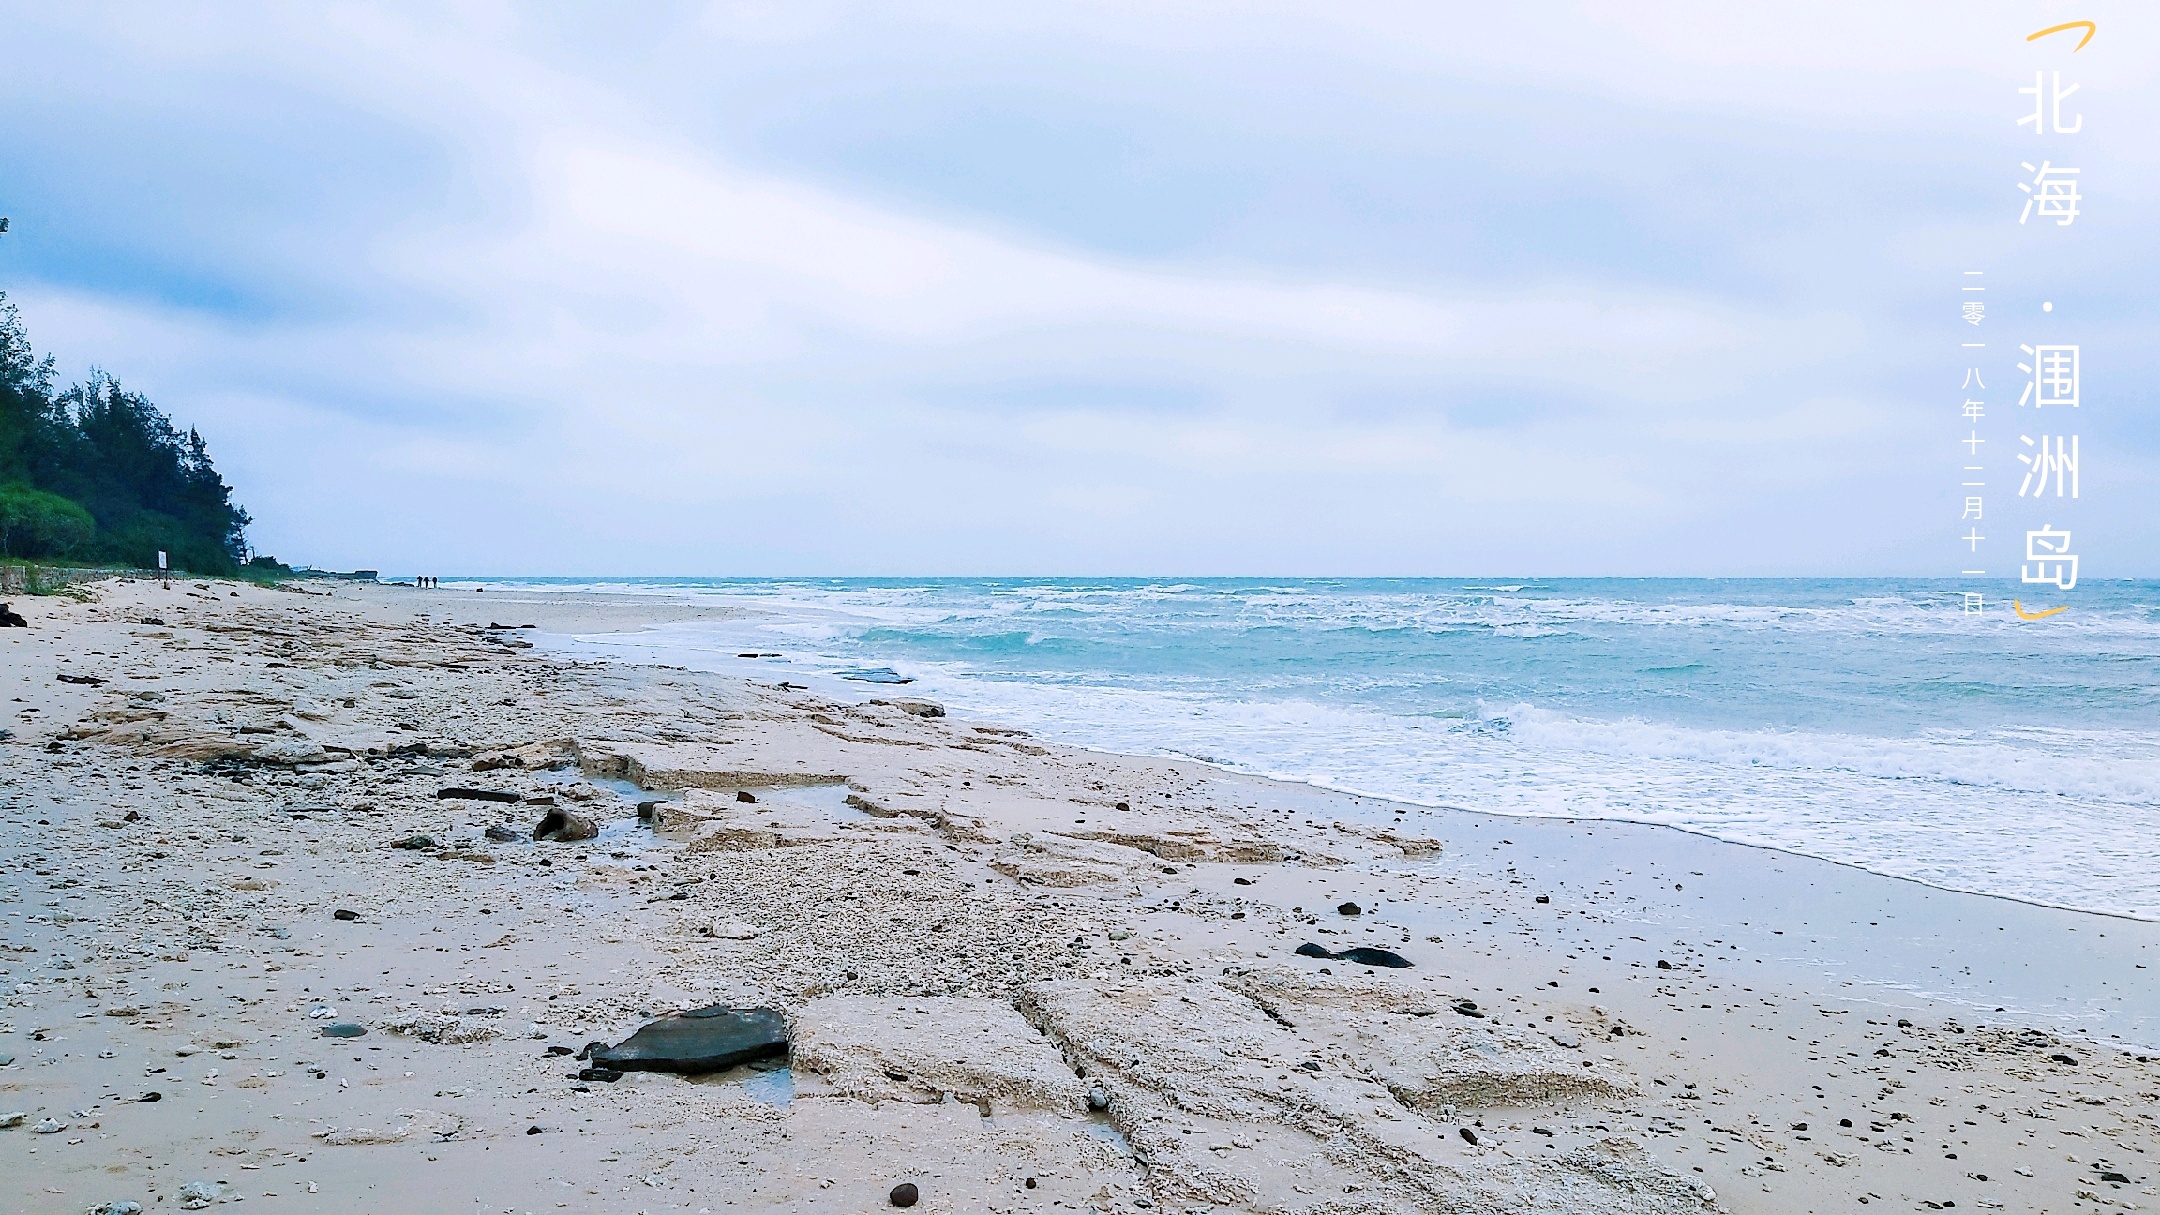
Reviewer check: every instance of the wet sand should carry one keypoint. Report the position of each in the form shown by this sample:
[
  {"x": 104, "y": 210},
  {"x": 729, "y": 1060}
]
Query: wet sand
[{"x": 991, "y": 932}]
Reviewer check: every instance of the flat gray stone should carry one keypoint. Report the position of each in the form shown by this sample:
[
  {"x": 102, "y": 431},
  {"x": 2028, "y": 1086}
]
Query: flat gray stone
[{"x": 710, "y": 1039}]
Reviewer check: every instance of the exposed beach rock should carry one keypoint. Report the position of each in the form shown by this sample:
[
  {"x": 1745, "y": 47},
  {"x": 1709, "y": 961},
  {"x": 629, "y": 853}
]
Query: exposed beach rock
[
  {"x": 561, "y": 826},
  {"x": 1055, "y": 859},
  {"x": 709, "y": 1039},
  {"x": 913, "y": 707},
  {"x": 980, "y": 1051}
]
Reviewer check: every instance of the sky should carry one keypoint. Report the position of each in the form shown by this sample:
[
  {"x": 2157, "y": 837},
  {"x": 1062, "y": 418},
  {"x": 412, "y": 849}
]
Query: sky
[{"x": 1151, "y": 288}]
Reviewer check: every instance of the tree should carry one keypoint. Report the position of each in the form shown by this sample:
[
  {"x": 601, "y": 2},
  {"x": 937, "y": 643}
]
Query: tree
[{"x": 110, "y": 457}]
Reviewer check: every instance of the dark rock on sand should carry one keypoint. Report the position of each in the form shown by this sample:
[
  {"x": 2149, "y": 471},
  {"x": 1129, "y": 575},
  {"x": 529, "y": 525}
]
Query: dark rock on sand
[
  {"x": 1468, "y": 1008},
  {"x": 1469, "y": 1136},
  {"x": 503, "y": 835},
  {"x": 345, "y": 913},
  {"x": 461, "y": 793},
  {"x": 606, "y": 1075},
  {"x": 562, "y": 826},
  {"x": 1363, "y": 955},
  {"x": 904, "y": 1195},
  {"x": 9, "y": 620},
  {"x": 1367, "y": 955},
  {"x": 744, "y": 795},
  {"x": 1349, "y": 909},
  {"x": 710, "y": 1039},
  {"x": 417, "y": 843},
  {"x": 344, "y": 1029}
]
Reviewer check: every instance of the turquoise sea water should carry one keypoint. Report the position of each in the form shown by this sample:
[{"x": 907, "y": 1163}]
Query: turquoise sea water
[{"x": 1868, "y": 722}]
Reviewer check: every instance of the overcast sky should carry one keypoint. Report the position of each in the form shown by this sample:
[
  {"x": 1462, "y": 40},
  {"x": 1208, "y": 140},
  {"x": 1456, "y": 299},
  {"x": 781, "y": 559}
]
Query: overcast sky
[{"x": 798, "y": 288}]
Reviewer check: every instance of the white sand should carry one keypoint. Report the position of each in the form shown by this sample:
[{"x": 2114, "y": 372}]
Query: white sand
[{"x": 965, "y": 952}]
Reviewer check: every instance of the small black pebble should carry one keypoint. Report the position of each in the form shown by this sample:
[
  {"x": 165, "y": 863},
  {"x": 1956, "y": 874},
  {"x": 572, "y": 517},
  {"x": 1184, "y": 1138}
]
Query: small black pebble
[
  {"x": 560, "y": 1050},
  {"x": 532, "y": 1130},
  {"x": 744, "y": 795},
  {"x": 345, "y": 914},
  {"x": 606, "y": 1075},
  {"x": 1031, "y": 1183},
  {"x": 1844, "y": 1122},
  {"x": 1349, "y": 909},
  {"x": 904, "y": 1195},
  {"x": 1662, "y": 964},
  {"x": 153, "y": 1096},
  {"x": 1799, "y": 1126},
  {"x": 1544, "y": 898},
  {"x": 1124, "y": 806},
  {"x": 1469, "y": 1136}
]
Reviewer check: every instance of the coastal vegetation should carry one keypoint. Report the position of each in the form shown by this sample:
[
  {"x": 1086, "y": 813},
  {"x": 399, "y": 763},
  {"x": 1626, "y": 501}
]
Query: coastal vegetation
[{"x": 96, "y": 473}]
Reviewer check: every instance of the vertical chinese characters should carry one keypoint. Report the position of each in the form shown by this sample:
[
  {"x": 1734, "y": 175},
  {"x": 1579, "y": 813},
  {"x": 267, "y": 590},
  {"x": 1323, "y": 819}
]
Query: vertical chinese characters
[{"x": 2050, "y": 371}]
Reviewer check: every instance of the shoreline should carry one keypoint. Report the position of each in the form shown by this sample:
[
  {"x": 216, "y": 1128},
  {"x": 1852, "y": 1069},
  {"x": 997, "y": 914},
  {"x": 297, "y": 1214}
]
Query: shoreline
[
  {"x": 965, "y": 928},
  {"x": 2142, "y": 1019},
  {"x": 1900, "y": 843}
]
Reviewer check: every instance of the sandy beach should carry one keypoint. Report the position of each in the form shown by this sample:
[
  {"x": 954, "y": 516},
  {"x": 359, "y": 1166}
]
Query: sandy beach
[{"x": 1017, "y": 976}]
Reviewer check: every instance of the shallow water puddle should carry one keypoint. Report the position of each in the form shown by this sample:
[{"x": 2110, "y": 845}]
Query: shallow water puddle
[
  {"x": 829, "y": 800},
  {"x": 773, "y": 1086}
]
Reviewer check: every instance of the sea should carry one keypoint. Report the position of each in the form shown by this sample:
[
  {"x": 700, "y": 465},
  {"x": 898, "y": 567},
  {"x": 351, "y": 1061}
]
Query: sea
[{"x": 1874, "y": 723}]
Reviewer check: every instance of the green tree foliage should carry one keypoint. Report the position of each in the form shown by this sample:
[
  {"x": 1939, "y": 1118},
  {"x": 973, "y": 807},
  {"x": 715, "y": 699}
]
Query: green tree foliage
[{"x": 96, "y": 472}]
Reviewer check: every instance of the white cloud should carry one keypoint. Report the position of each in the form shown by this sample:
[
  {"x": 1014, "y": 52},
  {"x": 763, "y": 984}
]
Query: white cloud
[{"x": 623, "y": 345}]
